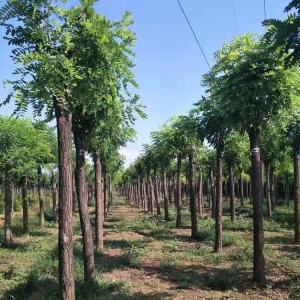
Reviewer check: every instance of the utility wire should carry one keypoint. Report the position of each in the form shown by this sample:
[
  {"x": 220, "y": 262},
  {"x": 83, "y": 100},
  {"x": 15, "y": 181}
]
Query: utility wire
[
  {"x": 193, "y": 33},
  {"x": 236, "y": 23},
  {"x": 265, "y": 10}
]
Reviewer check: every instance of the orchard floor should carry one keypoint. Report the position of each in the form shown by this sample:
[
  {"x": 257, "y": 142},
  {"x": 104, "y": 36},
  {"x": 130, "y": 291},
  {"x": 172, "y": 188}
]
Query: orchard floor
[{"x": 147, "y": 258}]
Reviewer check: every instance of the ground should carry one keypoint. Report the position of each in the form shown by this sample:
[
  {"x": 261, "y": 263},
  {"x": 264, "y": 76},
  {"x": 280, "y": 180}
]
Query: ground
[{"x": 147, "y": 258}]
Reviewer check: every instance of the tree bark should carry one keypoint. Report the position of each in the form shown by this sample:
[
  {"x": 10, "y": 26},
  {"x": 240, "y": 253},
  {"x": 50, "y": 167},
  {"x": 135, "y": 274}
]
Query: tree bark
[
  {"x": 297, "y": 191},
  {"x": 82, "y": 197},
  {"x": 8, "y": 209},
  {"x": 193, "y": 209},
  {"x": 232, "y": 194},
  {"x": 242, "y": 189},
  {"x": 213, "y": 195},
  {"x": 41, "y": 197},
  {"x": 156, "y": 193},
  {"x": 268, "y": 192},
  {"x": 165, "y": 195},
  {"x": 65, "y": 230},
  {"x": 99, "y": 203},
  {"x": 256, "y": 192},
  {"x": 178, "y": 194},
  {"x": 54, "y": 197},
  {"x": 200, "y": 193},
  {"x": 218, "y": 211},
  {"x": 25, "y": 204}
]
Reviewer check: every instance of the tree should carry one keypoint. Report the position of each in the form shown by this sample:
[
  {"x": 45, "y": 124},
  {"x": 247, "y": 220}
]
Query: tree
[{"x": 246, "y": 73}]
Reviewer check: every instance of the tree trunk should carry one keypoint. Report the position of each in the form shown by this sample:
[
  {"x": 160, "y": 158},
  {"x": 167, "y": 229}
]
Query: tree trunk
[
  {"x": 272, "y": 188},
  {"x": 268, "y": 192},
  {"x": 99, "y": 203},
  {"x": 65, "y": 229},
  {"x": 193, "y": 209},
  {"x": 232, "y": 194},
  {"x": 25, "y": 204},
  {"x": 218, "y": 211},
  {"x": 297, "y": 191},
  {"x": 178, "y": 194},
  {"x": 200, "y": 194},
  {"x": 213, "y": 195},
  {"x": 156, "y": 193},
  {"x": 8, "y": 209},
  {"x": 41, "y": 197},
  {"x": 54, "y": 191},
  {"x": 242, "y": 189},
  {"x": 74, "y": 193},
  {"x": 82, "y": 197},
  {"x": 256, "y": 192},
  {"x": 165, "y": 195}
]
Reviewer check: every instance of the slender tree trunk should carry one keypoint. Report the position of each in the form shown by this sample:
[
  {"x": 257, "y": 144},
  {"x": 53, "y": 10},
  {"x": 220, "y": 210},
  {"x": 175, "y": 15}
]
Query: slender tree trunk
[
  {"x": 258, "y": 232},
  {"x": 8, "y": 209},
  {"x": 54, "y": 197},
  {"x": 25, "y": 204},
  {"x": 156, "y": 193},
  {"x": 193, "y": 209},
  {"x": 297, "y": 191},
  {"x": 99, "y": 202},
  {"x": 178, "y": 194},
  {"x": 268, "y": 192},
  {"x": 232, "y": 193},
  {"x": 74, "y": 193},
  {"x": 82, "y": 196},
  {"x": 213, "y": 195},
  {"x": 41, "y": 197},
  {"x": 105, "y": 192},
  {"x": 200, "y": 193},
  {"x": 65, "y": 230},
  {"x": 242, "y": 189},
  {"x": 218, "y": 212},
  {"x": 272, "y": 188},
  {"x": 165, "y": 195}
]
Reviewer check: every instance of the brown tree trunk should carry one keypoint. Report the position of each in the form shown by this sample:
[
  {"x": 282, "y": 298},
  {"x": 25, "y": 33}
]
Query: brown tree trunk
[
  {"x": 256, "y": 192},
  {"x": 54, "y": 191},
  {"x": 178, "y": 194},
  {"x": 82, "y": 197},
  {"x": 41, "y": 197},
  {"x": 272, "y": 188},
  {"x": 242, "y": 189},
  {"x": 213, "y": 193},
  {"x": 156, "y": 193},
  {"x": 25, "y": 204},
  {"x": 99, "y": 203},
  {"x": 165, "y": 195},
  {"x": 297, "y": 192},
  {"x": 8, "y": 209},
  {"x": 232, "y": 193},
  {"x": 268, "y": 192},
  {"x": 74, "y": 193},
  {"x": 65, "y": 229},
  {"x": 193, "y": 209},
  {"x": 218, "y": 212},
  {"x": 200, "y": 193}
]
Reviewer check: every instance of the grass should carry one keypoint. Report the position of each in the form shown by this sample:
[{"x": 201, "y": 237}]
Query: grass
[{"x": 145, "y": 257}]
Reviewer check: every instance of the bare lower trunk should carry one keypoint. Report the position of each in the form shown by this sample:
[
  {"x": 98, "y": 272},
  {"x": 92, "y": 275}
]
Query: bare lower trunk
[
  {"x": 156, "y": 193},
  {"x": 297, "y": 192},
  {"x": 194, "y": 233},
  {"x": 200, "y": 194},
  {"x": 54, "y": 191},
  {"x": 41, "y": 197},
  {"x": 242, "y": 189},
  {"x": 178, "y": 194},
  {"x": 256, "y": 192},
  {"x": 99, "y": 203},
  {"x": 218, "y": 212},
  {"x": 232, "y": 193},
  {"x": 82, "y": 197},
  {"x": 65, "y": 231},
  {"x": 8, "y": 209},
  {"x": 165, "y": 195},
  {"x": 268, "y": 192},
  {"x": 25, "y": 204}
]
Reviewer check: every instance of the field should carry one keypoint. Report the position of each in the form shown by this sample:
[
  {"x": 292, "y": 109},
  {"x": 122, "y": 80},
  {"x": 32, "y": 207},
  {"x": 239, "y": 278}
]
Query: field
[{"x": 147, "y": 258}]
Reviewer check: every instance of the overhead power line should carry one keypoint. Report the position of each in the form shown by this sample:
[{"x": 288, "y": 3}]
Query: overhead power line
[
  {"x": 236, "y": 23},
  {"x": 265, "y": 10},
  {"x": 193, "y": 33}
]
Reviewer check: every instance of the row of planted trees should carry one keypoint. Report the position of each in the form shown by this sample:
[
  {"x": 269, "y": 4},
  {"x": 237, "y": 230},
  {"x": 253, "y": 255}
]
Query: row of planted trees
[
  {"x": 75, "y": 66},
  {"x": 251, "y": 103}
]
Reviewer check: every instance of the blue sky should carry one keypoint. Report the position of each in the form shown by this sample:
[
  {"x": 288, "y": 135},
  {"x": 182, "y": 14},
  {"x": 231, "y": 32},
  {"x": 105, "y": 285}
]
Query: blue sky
[{"x": 169, "y": 64}]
